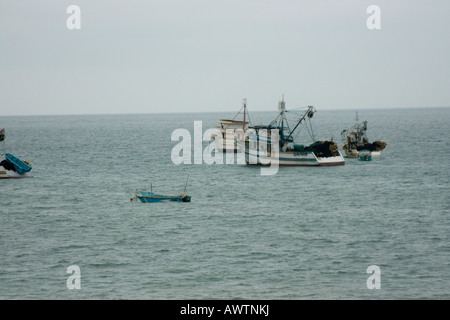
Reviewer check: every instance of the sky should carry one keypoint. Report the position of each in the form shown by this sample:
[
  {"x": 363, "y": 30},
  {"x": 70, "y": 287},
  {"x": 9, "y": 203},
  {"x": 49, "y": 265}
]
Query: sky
[{"x": 152, "y": 56}]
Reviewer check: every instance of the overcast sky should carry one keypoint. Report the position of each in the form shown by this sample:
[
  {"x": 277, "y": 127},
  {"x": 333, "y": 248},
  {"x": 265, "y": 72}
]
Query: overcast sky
[{"x": 139, "y": 56}]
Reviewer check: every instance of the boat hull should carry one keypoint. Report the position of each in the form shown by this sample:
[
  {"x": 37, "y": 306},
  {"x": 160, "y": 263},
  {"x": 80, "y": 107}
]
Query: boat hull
[
  {"x": 226, "y": 145},
  {"x": 20, "y": 166},
  {"x": 148, "y": 197},
  {"x": 10, "y": 174},
  {"x": 353, "y": 153},
  {"x": 156, "y": 200},
  {"x": 305, "y": 159}
]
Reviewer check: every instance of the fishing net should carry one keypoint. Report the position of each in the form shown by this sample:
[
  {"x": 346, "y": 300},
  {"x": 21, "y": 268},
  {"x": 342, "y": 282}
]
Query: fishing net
[
  {"x": 374, "y": 146},
  {"x": 324, "y": 148},
  {"x": 378, "y": 145},
  {"x": 7, "y": 165}
]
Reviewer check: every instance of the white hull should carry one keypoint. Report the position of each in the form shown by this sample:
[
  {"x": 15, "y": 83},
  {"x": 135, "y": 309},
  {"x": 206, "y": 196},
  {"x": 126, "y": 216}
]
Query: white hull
[
  {"x": 355, "y": 153},
  {"x": 252, "y": 156},
  {"x": 9, "y": 174},
  {"x": 226, "y": 145}
]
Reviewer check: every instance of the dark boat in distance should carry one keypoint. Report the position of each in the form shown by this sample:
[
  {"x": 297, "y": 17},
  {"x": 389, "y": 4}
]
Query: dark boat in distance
[{"x": 356, "y": 141}]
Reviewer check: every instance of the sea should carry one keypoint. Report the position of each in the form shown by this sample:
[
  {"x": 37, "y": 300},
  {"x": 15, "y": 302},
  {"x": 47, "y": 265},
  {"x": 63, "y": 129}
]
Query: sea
[{"x": 367, "y": 230}]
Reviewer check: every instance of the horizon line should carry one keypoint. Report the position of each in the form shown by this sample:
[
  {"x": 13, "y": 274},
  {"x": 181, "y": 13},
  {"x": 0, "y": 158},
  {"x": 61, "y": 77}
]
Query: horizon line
[{"x": 194, "y": 112}]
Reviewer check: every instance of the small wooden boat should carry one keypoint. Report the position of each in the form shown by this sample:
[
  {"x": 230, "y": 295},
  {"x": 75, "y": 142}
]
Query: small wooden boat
[
  {"x": 365, "y": 157},
  {"x": 20, "y": 166},
  {"x": 150, "y": 197},
  {"x": 13, "y": 167}
]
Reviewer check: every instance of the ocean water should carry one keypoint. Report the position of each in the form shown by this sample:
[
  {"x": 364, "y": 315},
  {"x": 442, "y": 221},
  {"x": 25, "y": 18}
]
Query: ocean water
[{"x": 303, "y": 233}]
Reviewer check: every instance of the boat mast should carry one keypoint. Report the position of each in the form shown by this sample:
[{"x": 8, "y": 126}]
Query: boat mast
[
  {"x": 282, "y": 116},
  {"x": 245, "y": 111}
]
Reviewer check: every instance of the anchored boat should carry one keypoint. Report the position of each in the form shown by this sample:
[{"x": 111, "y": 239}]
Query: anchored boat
[
  {"x": 231, "y": 131},
  {"x": 261, "y": 148},
  {"x": 365, "y": 155},
  {"x": 14, "y": 168},
  {"x": 356, "y": 141},
  {"x": 151, "y": 197}
]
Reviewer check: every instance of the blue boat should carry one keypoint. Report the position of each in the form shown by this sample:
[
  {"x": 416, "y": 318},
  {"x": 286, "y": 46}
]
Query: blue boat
[
  {"x": 150, "y": 197},
  {"x": 20, "y": 166},
  {"x": 365, "y": 155}
]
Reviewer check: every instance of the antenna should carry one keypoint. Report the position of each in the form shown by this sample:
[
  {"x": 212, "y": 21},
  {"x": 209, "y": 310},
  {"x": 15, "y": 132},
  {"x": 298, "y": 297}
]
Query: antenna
[{"x": 282, "y": 105}]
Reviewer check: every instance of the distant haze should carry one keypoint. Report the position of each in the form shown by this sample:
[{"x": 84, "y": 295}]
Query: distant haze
[{"x": 145, "y": 56}]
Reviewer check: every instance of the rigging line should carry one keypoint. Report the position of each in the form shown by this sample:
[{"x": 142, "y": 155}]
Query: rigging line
[
  {"x": 310, "y": 130},
  {"x": 313, "y": 126},
  {"x": 226, "y": 127},
  {"x": 249, "y": 121},
  {"x": 298, "y": 132},
  {"x": 245, "y": 112},
  {"x": 300, "y": 128},
  {"x": 298, "y": 123},
  {"x": 185, "y": 185},
  {"x": 238, "y": 112},
  {"x": 314, "y": 129},
  {"x": 248, "y": 115}
]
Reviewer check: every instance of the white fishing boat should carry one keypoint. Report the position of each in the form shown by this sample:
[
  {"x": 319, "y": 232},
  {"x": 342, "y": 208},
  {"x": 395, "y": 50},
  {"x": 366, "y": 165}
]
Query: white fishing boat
[
  {"x": 356, "y": 141},
  {"x": 230, "y": 131},
  {"x": 261, "y": 149}
]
